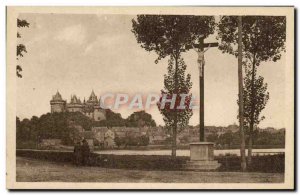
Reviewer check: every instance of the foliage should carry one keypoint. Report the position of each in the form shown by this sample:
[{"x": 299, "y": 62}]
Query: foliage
[
  {"x": 22, "y": 23},
  {"x": 212, "y": 137},
  {"x": 129, "y": 140},
  {"x": 20, "y": 47},
  {"x": 254, "y": 102},
  {"x": 140, "y": 119},
  {"x": 175, "y": 116},
  {"x": 118, "y": 141},
  {"x": 271, "y": 164},
  {"x": 144, "y": 140},
  {"x": 263, "y": 36},
  {"x": 262, "y": 139},
  {"x": 136, "y": 119},
  {"x": 51, "y": 126},
  {"x": 169, "y": 34},
  {"x": 112, "y": 120}
]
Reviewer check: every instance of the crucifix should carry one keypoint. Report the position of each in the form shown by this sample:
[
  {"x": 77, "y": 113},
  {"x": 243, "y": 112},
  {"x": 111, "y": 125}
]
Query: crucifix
[{"x": 201, "y": 48}]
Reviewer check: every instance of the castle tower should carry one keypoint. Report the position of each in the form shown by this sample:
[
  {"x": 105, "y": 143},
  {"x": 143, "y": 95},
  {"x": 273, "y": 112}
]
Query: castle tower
[
  {"x": 57, "y": 103},
  {"x": 75, "y": 105},
  {"x": 92, "y": 108},
  {"x": 99, "y": 113},
  {"x": 93, "y": 98}
]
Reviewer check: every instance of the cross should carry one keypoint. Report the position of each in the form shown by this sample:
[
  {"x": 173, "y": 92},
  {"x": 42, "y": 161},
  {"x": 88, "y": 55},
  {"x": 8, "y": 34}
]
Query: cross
[{"x": 201, "y": 62}]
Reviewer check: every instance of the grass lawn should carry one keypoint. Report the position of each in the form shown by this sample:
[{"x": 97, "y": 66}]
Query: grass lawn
[{"x": 32, "y": 170}]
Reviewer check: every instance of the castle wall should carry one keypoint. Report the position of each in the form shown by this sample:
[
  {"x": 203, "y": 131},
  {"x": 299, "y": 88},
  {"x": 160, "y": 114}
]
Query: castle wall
[
  {"x": 74, "y": 109},
  {"x": 57, "y": 108},
  {"x": 90, "y": 108},
  {"x": 89, "y": 114}
]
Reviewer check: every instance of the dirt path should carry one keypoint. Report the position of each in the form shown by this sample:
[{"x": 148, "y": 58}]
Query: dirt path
[{"x": 31, "y": 170}]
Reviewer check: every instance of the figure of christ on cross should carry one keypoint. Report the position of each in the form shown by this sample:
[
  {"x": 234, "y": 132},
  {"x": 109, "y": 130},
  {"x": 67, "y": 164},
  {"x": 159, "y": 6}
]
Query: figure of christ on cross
[
  {"x": 200, "y": 59},
  {"x": 201, "y": 48}
]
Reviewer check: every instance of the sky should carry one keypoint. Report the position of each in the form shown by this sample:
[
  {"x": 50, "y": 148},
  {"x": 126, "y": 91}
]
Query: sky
[{"x": 76, "y": 54}]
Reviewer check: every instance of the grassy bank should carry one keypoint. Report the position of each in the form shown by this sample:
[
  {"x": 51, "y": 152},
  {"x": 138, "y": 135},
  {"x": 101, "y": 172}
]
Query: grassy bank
[{"x": 34, "y": 170}]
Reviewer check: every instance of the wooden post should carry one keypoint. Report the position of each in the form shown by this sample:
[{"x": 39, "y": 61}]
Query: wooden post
[
  {"x": 201, "y": 46},
  {"x": 201, "y": 107}
]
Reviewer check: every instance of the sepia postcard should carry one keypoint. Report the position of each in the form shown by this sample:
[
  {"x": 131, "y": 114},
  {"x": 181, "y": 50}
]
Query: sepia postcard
[{"x": 150, "y": 98}]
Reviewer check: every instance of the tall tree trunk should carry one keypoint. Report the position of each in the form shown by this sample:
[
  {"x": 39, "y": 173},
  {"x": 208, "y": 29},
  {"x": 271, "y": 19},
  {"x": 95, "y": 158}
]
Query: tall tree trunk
[
  {"x": 174, "y": 138},
  {"x": 250, "y": 145},
  {"x": 251, "y": 125},
  {"x": 241, "y": 96}
]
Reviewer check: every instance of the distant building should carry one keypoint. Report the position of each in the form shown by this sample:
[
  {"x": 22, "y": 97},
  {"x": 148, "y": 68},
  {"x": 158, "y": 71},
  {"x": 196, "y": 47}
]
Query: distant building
[
  {"x": 157, "y": 139},
  {"x": 121, "y": 132},
  {"x": 104, "y": 136},
  {"x": 90, "y": 108},
  {"x": 50, "y": 142}
]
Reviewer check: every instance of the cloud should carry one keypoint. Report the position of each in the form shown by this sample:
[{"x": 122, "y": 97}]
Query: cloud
[{"x": 75, "y": 34}]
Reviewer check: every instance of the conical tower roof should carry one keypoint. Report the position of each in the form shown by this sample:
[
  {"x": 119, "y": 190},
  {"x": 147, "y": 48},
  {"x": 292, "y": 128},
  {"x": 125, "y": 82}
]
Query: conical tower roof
[
  {"x": 93, "y": 97},
  {"x": 57, "y": 96}
]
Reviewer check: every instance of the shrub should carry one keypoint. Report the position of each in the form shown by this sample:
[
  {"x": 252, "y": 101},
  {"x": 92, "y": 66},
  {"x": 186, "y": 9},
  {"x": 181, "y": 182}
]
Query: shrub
[{"x": 271, "y": 164}]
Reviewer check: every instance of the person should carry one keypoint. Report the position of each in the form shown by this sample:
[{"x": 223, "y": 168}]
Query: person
[
  {"x": 77, "y": 154},
  {"x": 85, "y": 152},
  {"x": 200, "y": 59}
]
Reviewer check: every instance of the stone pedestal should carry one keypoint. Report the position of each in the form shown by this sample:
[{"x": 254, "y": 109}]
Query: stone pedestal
[{"x": 202, "y": 157}]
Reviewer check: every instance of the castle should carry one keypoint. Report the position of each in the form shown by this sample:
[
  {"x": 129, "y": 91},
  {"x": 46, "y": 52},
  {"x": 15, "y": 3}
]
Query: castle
[{"x": 90, "y": 108}]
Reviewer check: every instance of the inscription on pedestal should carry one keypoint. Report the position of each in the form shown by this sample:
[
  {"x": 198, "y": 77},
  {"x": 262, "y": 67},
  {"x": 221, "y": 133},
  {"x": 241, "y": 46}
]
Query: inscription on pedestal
[
  {"x": 202, "y": 151},
  {"x": 202, "y": 157}
]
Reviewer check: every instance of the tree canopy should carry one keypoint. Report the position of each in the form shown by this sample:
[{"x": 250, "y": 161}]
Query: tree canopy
[
  {"x": 263, "y": 37},
  {"x": 140, "y": 119},
  {"x": 51, "y": 126},
  {"x": 169, "y": 34}
]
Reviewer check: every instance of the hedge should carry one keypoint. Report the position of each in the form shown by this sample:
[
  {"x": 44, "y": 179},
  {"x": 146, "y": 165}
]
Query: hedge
[{"x": 270, "y": 163}]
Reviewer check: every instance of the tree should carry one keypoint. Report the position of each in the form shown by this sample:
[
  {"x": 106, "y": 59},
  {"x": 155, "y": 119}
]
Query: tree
[
  {"x": 241, "y": 93},
  {"x": 212, "y": 137},
  {"x": 140, "y": 119},
  {"x": 263, "y": 39},
  {"x": 253, "y": 104},
  {"x": 118, "y": 141},
  {"x": 20, "y": 47},
  {"x": 174, "y": 118},
  {"x": 226, "y": 139},
  {"x": 51, "y": 126},
  {"x": 112, "y": 120},
  {"x": 168, "y": 35},
  {"x": 144, "y": 140}
]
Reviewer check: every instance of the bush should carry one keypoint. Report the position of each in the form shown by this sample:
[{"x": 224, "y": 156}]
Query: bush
[
  {"x": 267, "y": 164},
  {"x": 271, "y": 164}
]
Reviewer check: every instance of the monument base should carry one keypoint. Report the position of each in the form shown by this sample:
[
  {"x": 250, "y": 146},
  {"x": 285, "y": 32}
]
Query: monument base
[
  {"x": 202, "y": 157},
  {"x": 209, "y": 165}
]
